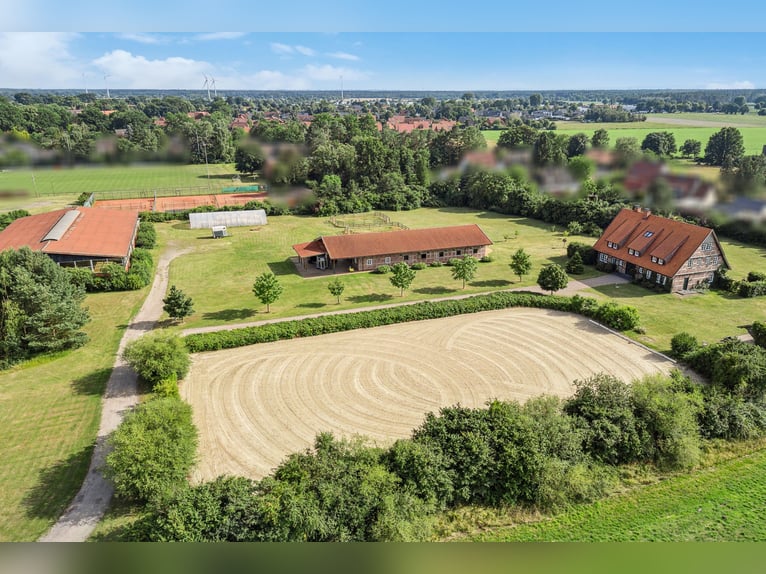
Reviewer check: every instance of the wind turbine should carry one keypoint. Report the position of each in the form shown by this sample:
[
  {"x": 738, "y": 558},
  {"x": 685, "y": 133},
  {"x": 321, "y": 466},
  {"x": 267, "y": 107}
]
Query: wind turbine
[
  {"x": 107, "y": 85},
  {"x": 215, "y": 90},
  {"x": 206, "y": 85},
  {"x": 85, "y": 82}
]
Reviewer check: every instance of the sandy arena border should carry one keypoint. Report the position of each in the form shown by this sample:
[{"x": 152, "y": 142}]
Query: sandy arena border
[{"x": 255, "y": 405}]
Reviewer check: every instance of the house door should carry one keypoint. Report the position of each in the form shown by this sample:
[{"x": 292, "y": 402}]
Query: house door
[{"x": 686, "y": 283}]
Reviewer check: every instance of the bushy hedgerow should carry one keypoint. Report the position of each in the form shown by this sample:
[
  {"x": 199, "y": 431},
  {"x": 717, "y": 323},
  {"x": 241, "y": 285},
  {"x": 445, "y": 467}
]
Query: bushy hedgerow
[
  {"x": 419, "y": 266},
  {"x": 730, "y": 416},
  {"x": 611, "y": 314},
  {"x": 183, "y": 215},
  {"x": 733, "y": 365},
  {"x": 752, "y": 288},
  {"x": 153, "y": 450},
  {"x": 146, "y": 238}
]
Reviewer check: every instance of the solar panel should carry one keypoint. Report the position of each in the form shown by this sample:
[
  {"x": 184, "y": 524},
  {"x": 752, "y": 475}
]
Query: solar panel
[{"x": 62, "y": 226}]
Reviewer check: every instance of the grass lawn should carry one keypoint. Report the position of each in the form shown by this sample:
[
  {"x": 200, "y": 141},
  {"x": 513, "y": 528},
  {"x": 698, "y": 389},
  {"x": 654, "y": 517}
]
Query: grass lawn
[
  {"x": 50, "y": 410},
  {"x": 719, "y": 503},
  {"x": 704, "y": 119},
  {"x": 62, "y": 181},
  {"x": 219, "y": 274}
]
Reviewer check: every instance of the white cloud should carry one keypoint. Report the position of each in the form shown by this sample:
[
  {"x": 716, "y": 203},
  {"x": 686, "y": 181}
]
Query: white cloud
[
  {"x": 344, "y": 56},
  {"x": 286, "y": 50},
  {"x": 220, "y": 35},
  {"x": 283, "y": 49},
  {"x": 267, "y": 80},
  {"x": 304, "y": 50},
  {"x": 328, "y": 73},
  {"x": 742, "y": 85},
  {"x": 38, "y": 60},
  {"x": 131, "y": 71},
  {"x": 144, "y": 38}
]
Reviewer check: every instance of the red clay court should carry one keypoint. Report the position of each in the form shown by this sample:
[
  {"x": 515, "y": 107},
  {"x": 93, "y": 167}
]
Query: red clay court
[{"x": 178, "y": 203}]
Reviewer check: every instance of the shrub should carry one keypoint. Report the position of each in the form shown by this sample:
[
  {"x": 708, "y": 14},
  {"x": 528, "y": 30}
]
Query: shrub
[
  {"x": 586, "y": 251},
  {"x": 167, "y": 387},
  {"x": 383, "y": 269},
  {"x": 756, "y": 276},
  {"x": 752, "y": 288},
  {"x": 758, "y": 330},
  {"x": 146, "y": 237},
  {"x": 452, "y": 261},
  {"x": 682, "y": 344},
  {"x": 574, "y": 265},
  {"x": 574, "y": 228},
  {"x": 153, "y": 450},
  {"x": 158, "y": 357},
  {"x": 620, "y": 317},
  {"x": 419, "y": 266},
  {"x": 436, "y": 264},
  {"x": 730, "y": 417},
  {"x": 486, "y": 259}
]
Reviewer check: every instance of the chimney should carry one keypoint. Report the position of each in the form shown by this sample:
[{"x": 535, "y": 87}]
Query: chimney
[
  {"x": 637, "y": 207},
  {"x": 647, "y": 213}
]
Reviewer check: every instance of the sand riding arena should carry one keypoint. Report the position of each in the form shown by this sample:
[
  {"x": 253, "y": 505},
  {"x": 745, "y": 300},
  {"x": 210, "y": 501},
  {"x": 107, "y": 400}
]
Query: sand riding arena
[{"x": 255, "y": 405}]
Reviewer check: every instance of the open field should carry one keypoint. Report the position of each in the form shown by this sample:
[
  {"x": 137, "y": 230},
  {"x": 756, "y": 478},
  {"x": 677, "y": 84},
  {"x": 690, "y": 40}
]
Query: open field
[
  {"x": 255, "y": 405},
  {"x": 219, "y": 274},
  {"x": 181, "y": 202},
  {"x": 720, "y": 503},
  {"x": 49, "y": 414},
  {"x": 754, "y": 138},
  {"x": 706, "y": 120}
]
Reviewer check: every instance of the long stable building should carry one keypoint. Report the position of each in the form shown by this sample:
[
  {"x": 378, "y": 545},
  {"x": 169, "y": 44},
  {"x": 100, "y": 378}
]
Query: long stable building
[
  {"x": 367, "y": 251},
  {"x": 76, "y": 237}
]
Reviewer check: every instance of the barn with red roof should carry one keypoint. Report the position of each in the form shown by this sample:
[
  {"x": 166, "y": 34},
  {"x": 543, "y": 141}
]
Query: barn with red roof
[{"x": 76, "y": 237}]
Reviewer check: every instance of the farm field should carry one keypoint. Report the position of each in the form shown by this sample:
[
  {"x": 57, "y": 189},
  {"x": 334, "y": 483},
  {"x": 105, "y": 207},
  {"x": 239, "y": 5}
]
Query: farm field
[
  {"x": 720, "y": 503},
  {"x": 230, "y": 265},
  {"x": 703, "y": 119},
  {"x": 255, "y": 405},
  {"x": 754, "y": 137}
]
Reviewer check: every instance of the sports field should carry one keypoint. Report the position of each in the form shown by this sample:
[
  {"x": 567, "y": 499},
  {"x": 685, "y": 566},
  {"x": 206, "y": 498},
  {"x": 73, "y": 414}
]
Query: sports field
[
  {"x": 255, "y": 405},
  {"x": 178, "y": 203}
]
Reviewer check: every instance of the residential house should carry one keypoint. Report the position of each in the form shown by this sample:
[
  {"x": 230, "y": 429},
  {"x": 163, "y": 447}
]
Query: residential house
[
  {"x": 744, "y": 209},
  {"x": 76, "y": 237},
  {"x": 674, "y": 254},
  {"x": 367, "y": 251}
]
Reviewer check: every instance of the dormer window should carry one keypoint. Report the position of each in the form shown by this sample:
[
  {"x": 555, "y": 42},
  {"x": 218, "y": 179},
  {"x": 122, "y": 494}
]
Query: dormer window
[
  {"x": 654, "y": 259},
  {"x": 661, "y": 261},
  {"x": 630, "y": 252},
  {"x": 637, "y": 253},
  {"x": 609, "y": 244}
]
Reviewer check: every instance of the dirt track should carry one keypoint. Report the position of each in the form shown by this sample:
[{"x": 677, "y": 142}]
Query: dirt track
[{"x": 255, "y": 405}]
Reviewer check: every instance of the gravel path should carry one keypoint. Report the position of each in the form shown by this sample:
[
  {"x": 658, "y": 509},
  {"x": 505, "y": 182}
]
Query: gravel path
[{"x": 87, "y": 508}]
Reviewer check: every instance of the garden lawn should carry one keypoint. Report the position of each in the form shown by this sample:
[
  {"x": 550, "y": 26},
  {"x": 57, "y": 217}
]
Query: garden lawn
[
  {"x": 721, "y": 503},
  {"x": 219, "y": 274},
  {"x": 49, "y": 415},
  {"x": 709, "y": 316}
]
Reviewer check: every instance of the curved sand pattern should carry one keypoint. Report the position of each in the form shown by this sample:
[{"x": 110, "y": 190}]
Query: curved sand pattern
[{"x": 255, "y": 405}]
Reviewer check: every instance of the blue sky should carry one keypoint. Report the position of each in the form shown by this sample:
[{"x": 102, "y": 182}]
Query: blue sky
[{"x": 445, "y": 45}]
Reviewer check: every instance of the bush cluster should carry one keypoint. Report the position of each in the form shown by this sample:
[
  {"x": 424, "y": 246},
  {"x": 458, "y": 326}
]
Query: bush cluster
[
  {"x": 158, "y": 359},
  {"x": 586, "y": 251},
  {"x": 486, "y": 259},
  {"x": 611, "y": 314},
  {"x": 146, "y": 238},
  {"x": 733, "y": 365},
  {"x": 113, "y": 277},
  {"x": 753, "y": 286},
  {"x": 436, "y": 263},
  {"x": 547, "y": 453},
  {"x": 383, "y": 269}
]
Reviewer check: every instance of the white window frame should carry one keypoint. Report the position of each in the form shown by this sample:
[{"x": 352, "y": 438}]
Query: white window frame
[
  {"x": 654, "y": 259},
  {"x": 387, "y": 261},
  {"x": 369, "y": 262}
]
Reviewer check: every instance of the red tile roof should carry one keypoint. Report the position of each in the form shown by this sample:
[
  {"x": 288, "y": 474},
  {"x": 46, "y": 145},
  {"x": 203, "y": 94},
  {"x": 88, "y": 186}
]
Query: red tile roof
[
  {"x": 653, "y": 236},
  {"x": 642, "y": 173},
  {"x": 310, "y": 249},
  {"x": 388, "y": 242},
  {"x": 94, "y": 232}
]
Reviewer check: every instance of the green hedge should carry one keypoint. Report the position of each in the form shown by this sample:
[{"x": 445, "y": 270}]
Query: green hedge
[
  {"x": 113, "y": 276},
  {"x": 611, "y": 314},
  {"x": 758, "y": 331}
]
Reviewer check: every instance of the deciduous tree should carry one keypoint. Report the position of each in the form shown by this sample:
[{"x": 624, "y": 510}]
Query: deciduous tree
[
  {"x": 521, "y": 263},
  {"x": 402, "y": 276},
  {"x": 725, "y": 147},
  {"x": 267, "y": 289},
  {"x": 464, "y": 269},
  {"x": 336, "y": 288},
  {"x": 552, "y": 278}
]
